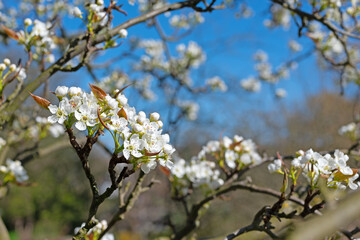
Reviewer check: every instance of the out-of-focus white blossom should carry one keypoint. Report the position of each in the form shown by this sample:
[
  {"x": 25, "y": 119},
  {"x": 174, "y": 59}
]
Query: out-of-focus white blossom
[
  {"x": 260, "y": 56},
  {"x": 190, "y": 109},
  {"x": 275, "y": 166},
  {"x": 15, "y": 169},
  {"x": 186, "y": 21},
  {"x": 280, "y": 17},
  {"x": 295, "y": 46},
  {"x": 76, "y": 12},
  {"x": 216, "y": 83},
  {"x": 123, "y": 33},
  {"x": 200, "y": 171},
  {"x": 2, "y": 143},
  {"x": 251, "y": 84},
  {"x": 280, "y": 93}
]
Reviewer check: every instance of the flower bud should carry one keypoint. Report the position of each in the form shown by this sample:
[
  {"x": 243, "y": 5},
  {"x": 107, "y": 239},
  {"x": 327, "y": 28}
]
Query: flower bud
[
  {"x": 41, "y": 101},
  {"x": 123, "y": 33},
  {"x": 12, "y": 68},
  {"x": 27, "y": 22},
  {"x": 77, "y": 12},
  {"x": 141, "y": 117},
  {"x": 100, "y": 2},
  {"x": 137, "y": 127},
  {"x": 7, "y": 61},
  {"x": 94, "y": 7},
  {"x": 2, "y": 66},
  {"x": 154, "y": 116},
  {"x": 61, "y": 91},
  {"x": 74, "y": 91},
  {"x": 160, "y": 123},
  {"x": 3, "y": 169}
]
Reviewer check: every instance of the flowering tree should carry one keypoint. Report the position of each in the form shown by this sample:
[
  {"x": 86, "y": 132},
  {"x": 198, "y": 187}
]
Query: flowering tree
[{"x": 138, "y": 140}]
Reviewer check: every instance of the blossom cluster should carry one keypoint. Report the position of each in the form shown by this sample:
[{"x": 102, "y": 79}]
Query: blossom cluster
[
  {"x": 40, "y": 36},
  {"x": 199, "y": 172},
  {"x": 138, "y": 137},
  {"x": 14, "y": 171},
  {"x": 189, "y": 108},
  {"x": 216, "y": 83},
  {"x": 267, "y": 73},
  {"x": 146, "y": 5},
  {"x": 279, "y": 17},
  {"x": 186, "y": 21},
  {"x": 204, "y": 170},
  {"x": 237, "y": 152},
  {"x": 190, "y": 56},
  {"x": 97, "y": 13},
  {"x": 95, "y": 232},
  {"x": 314, "y": 165}
]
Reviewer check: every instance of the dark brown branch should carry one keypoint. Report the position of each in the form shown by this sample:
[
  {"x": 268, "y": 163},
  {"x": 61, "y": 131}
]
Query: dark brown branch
[
  {"x": 194, "y": 212},
  {"x": 254, "y": 226},
  {"x": 129, "y": 203}
]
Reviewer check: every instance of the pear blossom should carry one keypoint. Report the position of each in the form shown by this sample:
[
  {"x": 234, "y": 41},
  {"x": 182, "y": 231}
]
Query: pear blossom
[
  {"x": 16, "y": 169},
  {"x": 230, "y": 158},
  {"x": 117, "y": 123},
  {"x": 2, "y": 66},
  {"x": 251, "y": 84},
  {"x": 295, "y": 46},
  {"x": 133, "y": 146},
  {"x": 76, "y": 12},
  {"x": 74, "y": 91},
  {"x": 179, "y": 168},
  {"x": 280, "y": 93},
  {"x": 7, "y": 61},
  {"x": 275, "y": 166},
  {"x": 216, "y": 83},
  {"x": 123, "y": 33},
  {"x": 59, "y": 113},
  {"x": 339, "y": 162},
  {"x": 154, "y": 116},
  {"x": 137, "y": 136},
  {"x": 27, "y": 22},
  {"x": 61, "y": 91},
  {"x": 314, "y": 165},
  {"x": 86, "y": 116}
]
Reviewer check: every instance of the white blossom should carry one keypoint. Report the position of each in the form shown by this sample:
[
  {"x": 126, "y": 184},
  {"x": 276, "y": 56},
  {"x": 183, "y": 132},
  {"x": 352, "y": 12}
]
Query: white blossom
[
  {"x": 251, "y": 84},
  {"x": 123, "y": 33},
  {"x": 16, "y": 169}
]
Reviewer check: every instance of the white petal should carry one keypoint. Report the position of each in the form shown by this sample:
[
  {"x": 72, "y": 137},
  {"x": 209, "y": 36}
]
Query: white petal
[
  {"x": 126, "y": 153},
  {"x": 53, "y": 119},
  {"x": 80, "y": 125},
  {"x": 136, "y": 153},
  {"x": 53, "y": 108}
]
